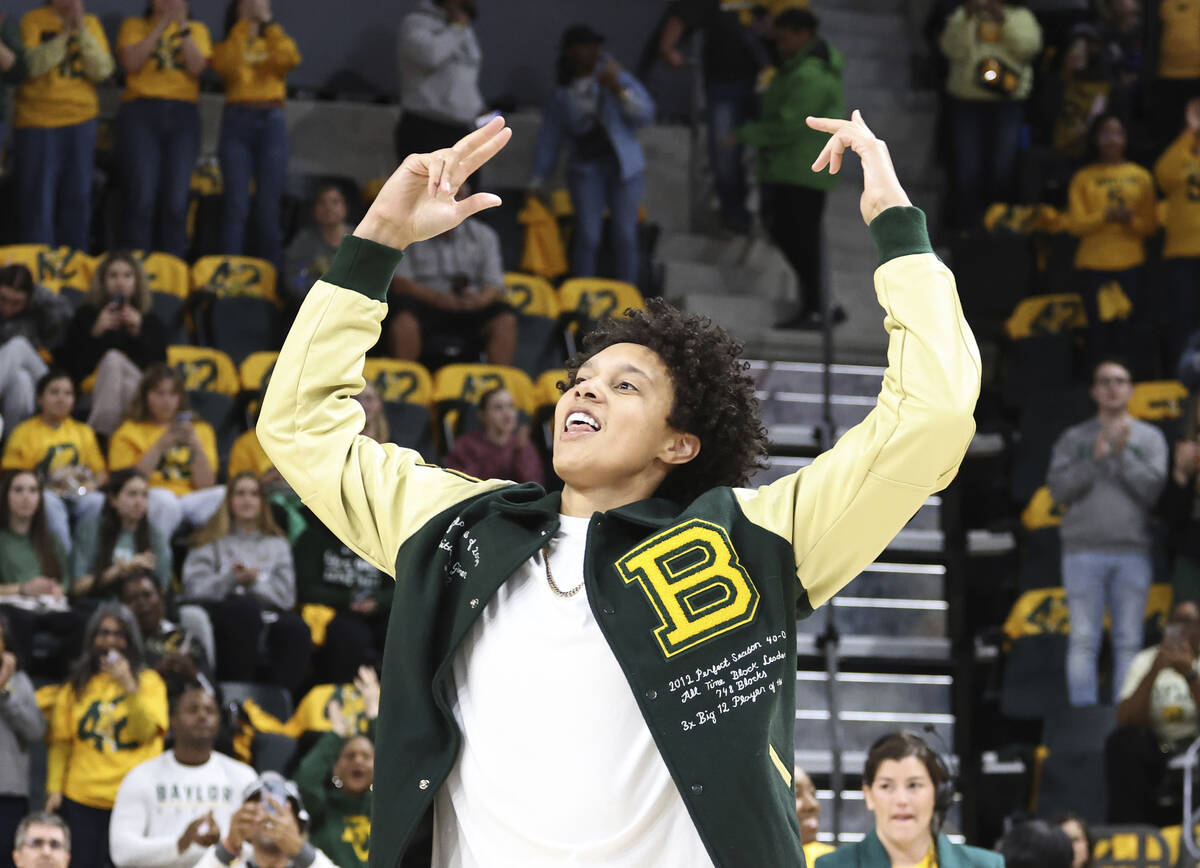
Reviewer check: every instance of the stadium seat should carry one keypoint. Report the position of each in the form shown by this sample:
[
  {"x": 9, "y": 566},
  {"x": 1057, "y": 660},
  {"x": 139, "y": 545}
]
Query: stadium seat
[
  {"x": 60, "y": 269},
  {"x": 273, "y": 752},
  {"x": 406, "y": 390},
  {"x": 993, "y": 274},
  {"x": 1035, "y": 671},
  {"x": 1041, "y": 548},
  {"x": 1072, "y": 775},
  {"x": 539, "y": 337},
  {"x": 1162, "y": 403},
  {"x": 458, "y": 388},
  {"x": 546, "y": 395},
  {"x": 593, "y": 298},
  {"x": 1044, "y": 416},
  {"x": 273, "y": 700},
  {"x": 1131, "y": 847},
  {"x": 1042, "y": 346},
  {"x": 212, "y": 384},
  {"x": 170, "y": 283},
  {"x": 255, "y": 370},
  {"x": 239, "y": 312}
]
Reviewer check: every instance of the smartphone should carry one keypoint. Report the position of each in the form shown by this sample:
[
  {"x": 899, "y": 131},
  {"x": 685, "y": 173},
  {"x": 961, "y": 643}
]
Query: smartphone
[
  {"x": 273, "y": 787},
  {"x": 1173, "y": 635},
  {"x": 183, "y": 417},
  {"x": 112, "y": 656}
]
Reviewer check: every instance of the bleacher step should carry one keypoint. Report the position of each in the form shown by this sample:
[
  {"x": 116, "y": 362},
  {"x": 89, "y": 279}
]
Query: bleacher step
[
  {"x": 877, "y": 691},
  {"x": 909, "y": 649}
]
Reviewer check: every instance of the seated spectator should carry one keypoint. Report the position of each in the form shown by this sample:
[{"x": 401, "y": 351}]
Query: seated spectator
[
  {"x": 32, "y": 318},
  {"x": 376, "y": 424},
  {"x": 501, "y": 450},
  {"x": 311, "y": 251},
  {"x": 119, "y": 542},
  {"x": 172, "y": 808},
  {"x": 21, "y": 727},
  {"x": 336, "y": 778},
  {"x": 240, "y": 570},
  {"x": 594, "y": 112},
  {"x": 330, "y": 574},
  {"x": 1107, "y": 473},
  {"x": 1179, "y": 508},
  {"x": 1036, "y": 844},
  {"x": 1156, "y": 719},
  {"x": 176, "y": 454},
  {"x": 63, "y": 452},
  {"x": 1081, "y": 838},
  {"x": 1176, "y": 172},
  {"x": 990, "y": 46},
  {"x": 267, "y": 831},
  {"x": 109, "y": 717},
  {"x": 900, "y": 783},
  {"x": 808, "y": 813},
  {"x": 172, "y": 650},
  {"x": 42, "y": 841},
  {"x": 452, "y": 284},
  {"x": 1112, "y": 209},
  {"x": 114, "y": 335}
]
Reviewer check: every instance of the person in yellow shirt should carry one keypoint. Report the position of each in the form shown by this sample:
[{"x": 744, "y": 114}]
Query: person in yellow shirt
[
  {"x": 162, "y": 53},
  {"x": 178, "y": 455},
  {"x": 108, "y": 717},
  {"x": 55, "y": 124},
  {"x": 1178, "y": 174},
  {"x": 64, "y": 454},
  {"x": 1111, "y": 208},
  {"x": 1178, "y": 65},
  {"x": 254, "y": 60}
]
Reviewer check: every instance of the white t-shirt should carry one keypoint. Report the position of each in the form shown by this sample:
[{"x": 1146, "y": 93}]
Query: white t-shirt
[
  {"x": 1172, "y": 710},
  {"x": 159, "y": 798},
  {"x": 557, "y": 766}
]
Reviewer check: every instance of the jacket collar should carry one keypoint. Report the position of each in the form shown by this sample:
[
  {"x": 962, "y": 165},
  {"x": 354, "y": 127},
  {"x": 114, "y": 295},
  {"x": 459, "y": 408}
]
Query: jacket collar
[
  {"x": 531, "y": 500},
  {"x": 875, "y": 855}
]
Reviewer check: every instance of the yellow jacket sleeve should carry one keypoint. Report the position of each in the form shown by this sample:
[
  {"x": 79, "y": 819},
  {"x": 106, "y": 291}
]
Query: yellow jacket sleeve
[
  {"x": 843, "y": 509},
  {"x": 59, "y": 737},
  {"x": 1171, "y": 169},
  {"x": 1082, "y": 217},
  {"x": 373, "y": 496}
]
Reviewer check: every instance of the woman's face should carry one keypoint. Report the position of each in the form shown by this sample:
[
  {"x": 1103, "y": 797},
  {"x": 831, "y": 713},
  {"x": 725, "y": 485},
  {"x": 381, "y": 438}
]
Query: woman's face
[
  {"x": 131, "y": 502},
  {"x": 57, "y": 399},
  {"x": 245, "y": 503},
  {"x": 330, "y": 208},
  {"x": 23, "y": 497},
  {"x": 356, "y": 765},
  {"x": 163, "y": 401},
  {"x": 1110, "y": 140},
  {"x": 369, "y": 399},
  {"x": 584, "y": 57},
  {"x": 500, "y": 416},
  {"x": 119, "y": 278},
  {"x": 110, "y": 636},
  {"x": 1079, "y": 845},
  {"x": 808, "y": 809},
  {"x": 901, "y": 797}
]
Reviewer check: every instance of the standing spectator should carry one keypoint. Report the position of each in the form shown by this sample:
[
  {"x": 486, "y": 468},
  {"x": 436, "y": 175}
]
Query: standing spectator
[
  {"x": 439, "y": 76},
  {"x": 67, "y": 56},
  {"x": 31, "y": 318},
  {"x": 1178, "y": 174},
  {"x": 254, "y": 60},
  {"x": 452, "y": 284},
  {"x": 172, "y": 650},
  {"x": 990, "y": 46},
  {"x": 1181, "y": 508},
  {"x": 734, "y": 54},
  {"x": 267, "y": 832},
  {"x": 1107, "y": 473},
  {"x": 808, "y": 814},
  {"x": 162, "y": 53},
  {"x": 64, "y": 454},
  {"x": 595, "y": 111},
  {"x": 176, "y": 454},
  {"x": 1037, "y": 844},
  {"x": 240, "y": 569},
  {"x": 1112, "y": 210},
  {"x": 120, "y": 541},
  {"x": 115, "y": 335},
  {"x": 1156, "y": 719},
  {"x": 809, "y": 83},
  {"x": 1081, "y": 838},
  {"x": 311, "y": 251},
  {"x": 336, "y": 778},
  {"x": 13, "y": 69},
  {"x": 171, "y": 808},
  {"x": 42, "y": 841},
  {"x": 21, "y": 727},
  {"x": 109, "y": 717},
  {"x": 501, "y": 450},
  {"x": 1178, "y": 65}
]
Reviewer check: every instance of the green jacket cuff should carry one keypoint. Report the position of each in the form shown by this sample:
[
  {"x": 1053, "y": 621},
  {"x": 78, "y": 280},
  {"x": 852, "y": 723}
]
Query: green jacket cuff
[
  {"x": 899, "y": 231},
  {"x": 364, "y": 266}
]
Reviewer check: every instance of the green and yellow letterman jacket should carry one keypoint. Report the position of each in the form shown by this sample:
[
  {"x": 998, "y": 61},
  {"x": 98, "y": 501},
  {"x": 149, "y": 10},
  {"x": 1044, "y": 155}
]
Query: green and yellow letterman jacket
[{"x": 697, "y": 601}]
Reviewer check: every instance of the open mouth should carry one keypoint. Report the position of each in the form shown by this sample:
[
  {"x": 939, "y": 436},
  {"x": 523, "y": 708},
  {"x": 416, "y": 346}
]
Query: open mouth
[{"x": 580, "y": 423}]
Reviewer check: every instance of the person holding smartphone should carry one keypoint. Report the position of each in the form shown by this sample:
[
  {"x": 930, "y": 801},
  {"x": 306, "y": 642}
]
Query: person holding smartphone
[{"x": 1157, "y": 719}]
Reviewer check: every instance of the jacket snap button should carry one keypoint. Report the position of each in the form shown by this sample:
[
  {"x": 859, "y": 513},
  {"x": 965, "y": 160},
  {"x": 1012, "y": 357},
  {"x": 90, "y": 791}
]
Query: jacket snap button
[
  {"x": 474, "y": 603},
  {"x": 697, "y": 789},
  {"x": 424, "y": 784},
  {"x": 652, "y": 694},
  {"x": 609, "y": 610}
]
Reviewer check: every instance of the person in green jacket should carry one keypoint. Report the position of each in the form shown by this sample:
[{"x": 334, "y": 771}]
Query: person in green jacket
[
  {"x": 336, "y": 780},
  {"x": 808, "y": 82},
  {"x": 909, "y": 789}
]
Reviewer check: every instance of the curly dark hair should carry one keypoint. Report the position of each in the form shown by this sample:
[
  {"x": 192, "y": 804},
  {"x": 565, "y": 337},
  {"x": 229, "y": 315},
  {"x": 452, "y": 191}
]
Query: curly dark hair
[{"x": 714, "y": 396}]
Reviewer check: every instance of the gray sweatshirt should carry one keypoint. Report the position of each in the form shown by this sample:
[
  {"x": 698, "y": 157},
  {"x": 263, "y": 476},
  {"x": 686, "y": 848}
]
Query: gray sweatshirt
[
  {"x": 439, "y": 67},
  {"x": 21, "y": 725},
  {"x": 1107, "y": 502},
  {"x": 208, "y": 569}
]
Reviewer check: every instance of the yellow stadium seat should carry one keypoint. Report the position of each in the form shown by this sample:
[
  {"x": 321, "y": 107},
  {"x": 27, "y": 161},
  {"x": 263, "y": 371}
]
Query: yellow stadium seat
[
  {"x": 52, "y": 267},
  {"x": 530, "y": 294},
  {"x": 235, "y": 277},
  {"x": 458, "y": 387},
  {"x": 546, "y": 387},
  {"x": 1042, "y": 511},
  {"x": 595, "y": 297},
  {"x": 204, "y": 369},
  {"x": 399, "y": 381},
  {"x": 255, "y": 369},
  {"x": 1157, "y": 400},
  {"x": 1046, "y": 315},
  {"x": 165, "y": 273}
]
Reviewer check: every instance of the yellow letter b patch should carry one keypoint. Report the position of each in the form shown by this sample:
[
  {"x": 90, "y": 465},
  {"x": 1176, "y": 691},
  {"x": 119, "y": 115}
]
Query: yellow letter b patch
[{"x": 691, "y": 576}]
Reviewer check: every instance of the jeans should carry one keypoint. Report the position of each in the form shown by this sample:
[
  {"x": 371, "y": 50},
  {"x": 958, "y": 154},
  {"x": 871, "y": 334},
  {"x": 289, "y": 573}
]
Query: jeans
[
  {"x": 59, "y": 514},
  {"x": 158, "y": 143},
  {"x": 20, "y": 369},
  {"x": 253, "y": 145},
  {"x": 54, "y": 170},
  {"x": 1094, "y": 581},
  {"x": 986, "y": 137},
  {"x": 594, "y": 185},
  {"x": 730, "y": 104}
]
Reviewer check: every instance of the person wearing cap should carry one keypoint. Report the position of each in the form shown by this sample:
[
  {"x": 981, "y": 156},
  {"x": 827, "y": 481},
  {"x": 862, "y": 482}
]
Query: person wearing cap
[
  {"x": 594, "y": 112},
  {"x": 266, "y": 834}
]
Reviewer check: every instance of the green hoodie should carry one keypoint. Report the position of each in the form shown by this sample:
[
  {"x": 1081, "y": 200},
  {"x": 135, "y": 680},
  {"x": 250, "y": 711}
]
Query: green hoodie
[
  {"x": 340, "y": 823},
  {"x": 808, "y": 84}
]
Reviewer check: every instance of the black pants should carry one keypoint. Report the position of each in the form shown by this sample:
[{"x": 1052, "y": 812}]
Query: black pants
[
  {"x": 12, "y": 809},
  {"x": 1134, "y": 768},
  {"x": 89, "y": 834},
  {"x": 417, "y": 134},
  {"x": 255, "y": 643},
  {"x": 794, "y": 221},
  {"x": 351, "y": 640}
]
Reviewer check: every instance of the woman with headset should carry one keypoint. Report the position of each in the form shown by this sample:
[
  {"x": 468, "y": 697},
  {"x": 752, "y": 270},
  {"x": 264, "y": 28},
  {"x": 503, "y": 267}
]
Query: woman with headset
[{"x": 908, "y": 788}]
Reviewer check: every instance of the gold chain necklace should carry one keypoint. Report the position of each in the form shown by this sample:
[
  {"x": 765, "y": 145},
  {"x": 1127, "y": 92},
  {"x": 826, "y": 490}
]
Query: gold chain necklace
[{"x": 550, "y": 578}]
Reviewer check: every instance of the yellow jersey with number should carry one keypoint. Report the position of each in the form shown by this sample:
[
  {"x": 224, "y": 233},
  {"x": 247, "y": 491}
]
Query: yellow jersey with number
[
  {"x": 164, "y": 75},
  {"x": 34, "y": 445},
  {"x": 97, "y": 737},
  {"x": 1178, "y": 174},
  {"x": 1105, "y": 245},
  {"x": 174, "y": 472},
  {"x": 65, "y": 95}
]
